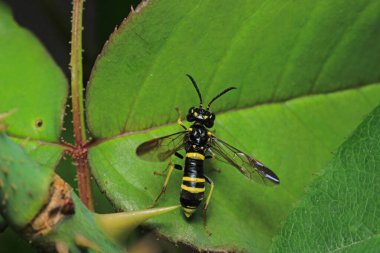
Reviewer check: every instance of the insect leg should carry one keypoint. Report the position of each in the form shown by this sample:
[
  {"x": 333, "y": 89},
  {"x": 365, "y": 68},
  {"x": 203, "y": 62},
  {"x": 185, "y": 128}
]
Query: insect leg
[
  {"x": 178, "y": 155},
  {"x": 171, "y": 167},
  {"x": 212, "y": 154},
  {"x": 176, "y": 166},
  {"x": 179, "y": 120},
  {"x": 164, "y": 171},
  {"x": 208, "y": 180}
]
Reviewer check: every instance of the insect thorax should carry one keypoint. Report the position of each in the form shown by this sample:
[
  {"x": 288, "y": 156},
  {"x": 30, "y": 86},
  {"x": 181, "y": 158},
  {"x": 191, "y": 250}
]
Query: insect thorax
[{"x": 197, "y": 139}]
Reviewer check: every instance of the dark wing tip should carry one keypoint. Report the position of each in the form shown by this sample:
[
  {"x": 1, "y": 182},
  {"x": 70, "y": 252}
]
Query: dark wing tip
[
  {"x": 267, "y": 173},
  {"x": 273, "y": 177},
  {"x": 145, "y": 147}
]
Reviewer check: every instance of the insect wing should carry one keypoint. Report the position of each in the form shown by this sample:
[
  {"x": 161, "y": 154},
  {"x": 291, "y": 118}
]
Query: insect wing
[
  {"x": 160, "y": 149},
  {"x": 246, "y": 164}
]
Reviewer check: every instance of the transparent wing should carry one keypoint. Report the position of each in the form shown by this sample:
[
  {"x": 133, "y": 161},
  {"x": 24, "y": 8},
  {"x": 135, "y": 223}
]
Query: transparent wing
[
  {"x": 160, "y": 149},
  {"x": 246, "y": 164}
]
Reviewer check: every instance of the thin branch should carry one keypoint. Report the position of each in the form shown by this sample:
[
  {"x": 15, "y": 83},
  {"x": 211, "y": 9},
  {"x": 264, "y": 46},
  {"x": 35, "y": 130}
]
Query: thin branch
[{"x": 80, "y": 155}]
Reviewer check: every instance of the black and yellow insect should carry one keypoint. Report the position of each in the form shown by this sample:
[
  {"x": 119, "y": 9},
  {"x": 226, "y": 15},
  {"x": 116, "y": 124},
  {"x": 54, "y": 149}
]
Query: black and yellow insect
[{"x": 199, "y": 144}]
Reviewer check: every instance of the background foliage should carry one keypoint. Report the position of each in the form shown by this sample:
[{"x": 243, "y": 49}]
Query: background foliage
[{"x": 340, "y": 212}]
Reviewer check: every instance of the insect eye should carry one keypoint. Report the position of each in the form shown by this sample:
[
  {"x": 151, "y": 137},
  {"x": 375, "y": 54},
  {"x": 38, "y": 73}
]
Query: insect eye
[
  {"x": 190, "y": 115},
  {"x": 209, "y": 123}
]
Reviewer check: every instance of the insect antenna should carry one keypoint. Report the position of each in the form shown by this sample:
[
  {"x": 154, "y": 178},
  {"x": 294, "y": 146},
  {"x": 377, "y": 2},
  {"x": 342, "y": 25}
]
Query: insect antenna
[
  {"x": 219, "y": 95},
  {"x": 196, "y": 87}
]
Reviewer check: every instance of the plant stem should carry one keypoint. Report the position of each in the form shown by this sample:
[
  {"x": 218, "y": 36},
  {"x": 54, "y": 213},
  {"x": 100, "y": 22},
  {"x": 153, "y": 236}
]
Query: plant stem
[{"x": 80, "y": 154}]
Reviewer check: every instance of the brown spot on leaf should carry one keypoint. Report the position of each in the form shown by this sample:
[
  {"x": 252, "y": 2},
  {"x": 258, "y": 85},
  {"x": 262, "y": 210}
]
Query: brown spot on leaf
[{"x": 39, "y": 123}]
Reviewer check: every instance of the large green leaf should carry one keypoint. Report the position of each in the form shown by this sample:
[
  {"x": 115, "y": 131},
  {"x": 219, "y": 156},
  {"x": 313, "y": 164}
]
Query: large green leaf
[
  {"x": 341, "y": 212},
  {"x": 274, "y": 51},
  {"x": 31, "y": 84},
  {"x": 47, "y": 156},
  {"x": 34, "y": 88},
  {"x": 24, "y": 185},
  {"x": 306, "y": 132}
]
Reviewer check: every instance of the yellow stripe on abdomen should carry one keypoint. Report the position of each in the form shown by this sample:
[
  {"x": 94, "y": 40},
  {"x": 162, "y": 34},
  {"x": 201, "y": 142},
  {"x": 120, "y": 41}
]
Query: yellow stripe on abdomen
[
  {"x": 192, "y": 189},
  {"x": 195, "y": 156},
  {"x": 194, "y": 179}
]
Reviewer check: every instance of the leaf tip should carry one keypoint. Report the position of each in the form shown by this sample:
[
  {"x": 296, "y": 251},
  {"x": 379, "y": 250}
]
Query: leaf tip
[{"x": 119, "y": 224}]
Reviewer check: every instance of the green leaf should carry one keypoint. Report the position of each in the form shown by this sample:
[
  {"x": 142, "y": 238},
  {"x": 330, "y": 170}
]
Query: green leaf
[
  {"x": 272, "y": 50},
  {"x": 24, "y": 185},
  {"x": 341, "y": 211},
  {"x": 45, "y": 154},
  {"x": 34, "y": 90},
  {"x": 302, "y": 89},
  {"x": 311, "y": 129},
  {"x": 31, "y": 84}
]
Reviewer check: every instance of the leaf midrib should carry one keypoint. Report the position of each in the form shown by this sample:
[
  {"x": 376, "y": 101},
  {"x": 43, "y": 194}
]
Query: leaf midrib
[
  {"x": 39, "y": 142},
  {"x": 243, "y": 108},
  {"x": 284, "y": 101}
]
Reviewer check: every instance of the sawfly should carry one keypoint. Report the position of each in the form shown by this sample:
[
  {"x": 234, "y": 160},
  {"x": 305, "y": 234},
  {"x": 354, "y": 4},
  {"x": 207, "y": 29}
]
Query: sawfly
[{"x": 200, "y": 144}]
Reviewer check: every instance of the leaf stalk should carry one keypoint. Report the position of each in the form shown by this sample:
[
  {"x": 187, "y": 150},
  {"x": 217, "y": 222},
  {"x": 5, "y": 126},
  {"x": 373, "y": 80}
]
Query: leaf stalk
[{"x": 76, "y": 65}]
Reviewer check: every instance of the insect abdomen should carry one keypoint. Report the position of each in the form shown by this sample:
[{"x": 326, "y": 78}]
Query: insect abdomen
[{"x": 193, "y": 186}]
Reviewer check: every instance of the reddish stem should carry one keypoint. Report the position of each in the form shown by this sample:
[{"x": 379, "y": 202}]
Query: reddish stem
[{"x": 80, "y": 152}]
